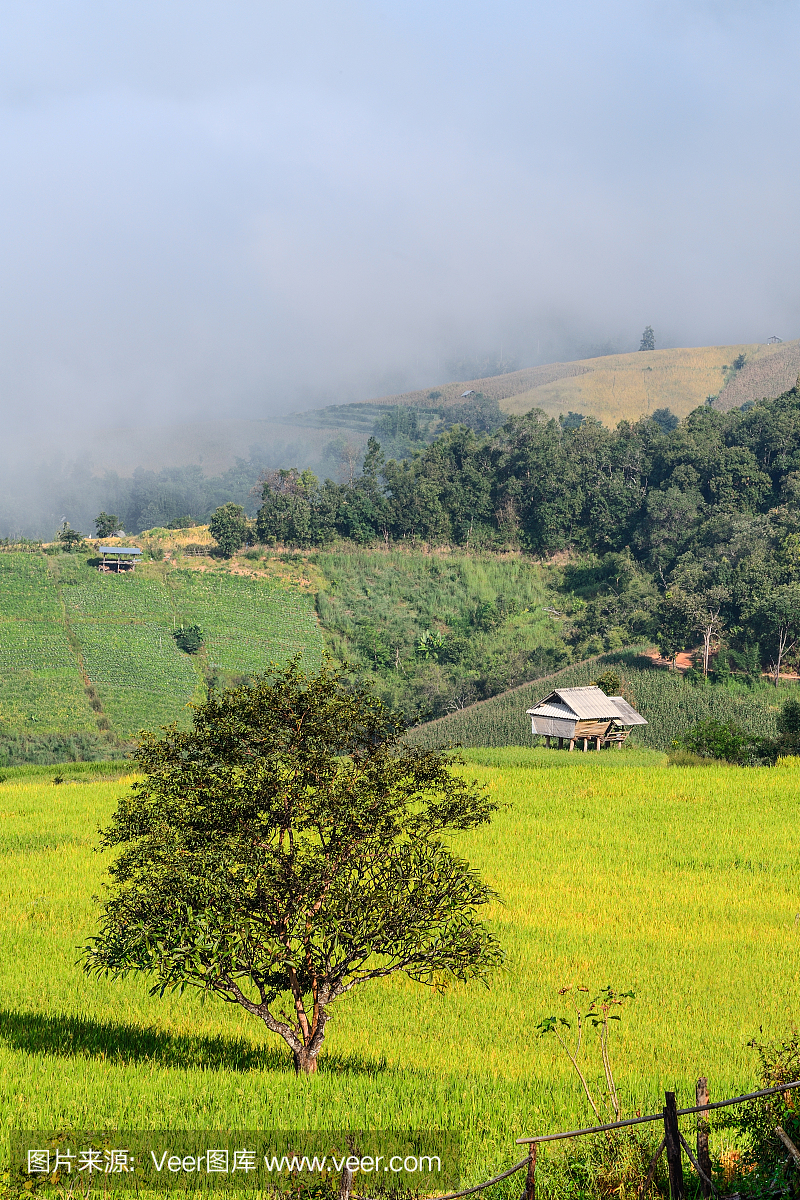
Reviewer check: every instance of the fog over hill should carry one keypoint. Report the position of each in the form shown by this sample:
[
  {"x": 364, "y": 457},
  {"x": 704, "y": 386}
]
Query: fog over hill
[
  {"x": 242, "y": 211},
  {"x": 152, "y": 475}
]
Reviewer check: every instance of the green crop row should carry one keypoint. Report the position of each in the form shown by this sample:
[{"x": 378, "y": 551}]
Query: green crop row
[
  {"x": 124, "y": 595},
  {"x": 122, "y": 626},
  {"x": 144, "y": 656},
  {"x": 670, "y": 704},
  {"x": 33, "y": 645},
  {"x": 131, "y": 709},
  {"x": 44, "y": 701},
  {"x": 26, "y": 588},
  {"x": 248, "y": 624}
]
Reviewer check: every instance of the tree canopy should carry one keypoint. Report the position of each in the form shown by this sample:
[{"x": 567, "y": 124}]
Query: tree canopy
[
  {"x": 70, "y": 538},
  {"x": 287, "y": 849},
  {"x": 107, "y": 524},
  {"x": 688, "y": 532},
  {"x": 229, "y": 528}
]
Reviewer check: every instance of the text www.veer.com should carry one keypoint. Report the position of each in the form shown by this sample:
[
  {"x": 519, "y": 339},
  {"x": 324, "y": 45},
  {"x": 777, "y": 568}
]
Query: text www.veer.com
[{"x": 396, "y": 1163}]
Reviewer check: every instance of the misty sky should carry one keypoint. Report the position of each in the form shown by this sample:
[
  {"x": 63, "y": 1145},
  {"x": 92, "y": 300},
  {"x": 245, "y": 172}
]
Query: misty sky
[{"x": 241, "y": 209}]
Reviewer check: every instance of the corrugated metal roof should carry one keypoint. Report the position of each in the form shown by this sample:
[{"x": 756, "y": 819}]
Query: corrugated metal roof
[
  {"x": 546, "y": 709},
  {"x": 120, "y": 550},
  {"x": 629, "y": 715},
  {"x": 587, "y": 702}
]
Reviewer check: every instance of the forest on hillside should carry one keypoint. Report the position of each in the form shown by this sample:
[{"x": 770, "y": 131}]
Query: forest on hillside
[{"x": 686, "y": 533}]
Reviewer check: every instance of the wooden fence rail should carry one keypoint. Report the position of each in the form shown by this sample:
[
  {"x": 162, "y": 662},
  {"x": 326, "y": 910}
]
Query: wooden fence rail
[{"x": 673, "y": 1142}]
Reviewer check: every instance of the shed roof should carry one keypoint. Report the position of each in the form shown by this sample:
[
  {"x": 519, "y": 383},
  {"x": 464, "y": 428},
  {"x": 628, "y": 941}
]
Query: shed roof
[
  {"x": 584, "y": 703},
  {"x": 629, "y": 714},
  {"x": 119, "y": 551}
]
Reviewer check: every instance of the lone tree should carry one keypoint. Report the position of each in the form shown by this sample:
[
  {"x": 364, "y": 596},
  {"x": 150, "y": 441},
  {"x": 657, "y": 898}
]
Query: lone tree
[
  {"x": 648, "y": 341},
  {"x": 70, "y": 538},
  {"x": 287, "y": 849},
  {"x": 229, "y": 528},
  {"x": 107, "y": 524},
  {"x": 189, "y": 638}
]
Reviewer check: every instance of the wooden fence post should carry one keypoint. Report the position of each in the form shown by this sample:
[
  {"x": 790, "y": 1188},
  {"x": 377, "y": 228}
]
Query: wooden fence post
[
  {"x": 346, "y": 1184},
  {"x": 703, "y": 1155},
  {"x": 530, "y": 1178},
  {"x": 672, "y": 1137}
]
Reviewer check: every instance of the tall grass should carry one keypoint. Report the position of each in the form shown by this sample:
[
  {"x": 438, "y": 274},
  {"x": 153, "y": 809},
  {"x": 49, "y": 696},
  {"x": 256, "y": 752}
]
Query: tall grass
[
  {"x": 680, "y": 883},
  {"x": 487, "y": 609}
]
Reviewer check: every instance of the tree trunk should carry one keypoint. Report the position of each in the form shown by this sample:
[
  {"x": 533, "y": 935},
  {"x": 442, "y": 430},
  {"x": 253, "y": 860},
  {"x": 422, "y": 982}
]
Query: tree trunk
[
  {"x": 781, "y": 645},
  {"x": 706, "y": 650},
  {"x": 305, "y": 1063}
]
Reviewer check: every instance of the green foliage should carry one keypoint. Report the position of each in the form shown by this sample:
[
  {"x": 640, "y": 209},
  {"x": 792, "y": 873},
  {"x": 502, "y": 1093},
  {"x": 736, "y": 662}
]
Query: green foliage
[
  {"x": 70, "y": 538},
  {"x": 765, "y": 1166},
  {"x": 481, "y": 414},
  {"x": 585, "y": 1014},
  {"x": 722, "y": 668},
  {"x": 648, "y": 341},
  {"x": 665, "y": 419},
  {"x": 789, "y": 718},
  {"x": 185, "y": 522},
  {"x": 107, "y": 524},
  {"x": 189, "y": 638},
  {"x": 610, "y": 682},
  {"x": 288, "y": 848},
  {"x": 717, "y": 739},
  {"x": 612, "y": 602},
  {"x": 435, "y": 632},
  {"x": 230, "y": 528}
]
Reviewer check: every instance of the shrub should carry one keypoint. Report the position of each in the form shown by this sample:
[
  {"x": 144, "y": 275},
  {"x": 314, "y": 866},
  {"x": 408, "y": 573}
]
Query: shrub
[
  {"x": 230, "y": 528},
  {"x": 717, "y": 739},
  {"x": 189, "y": 638},
  {"x": 789, "y": 718},
  {"x": 764, "y": 1165},
  {"x": 609, "y": 682}
]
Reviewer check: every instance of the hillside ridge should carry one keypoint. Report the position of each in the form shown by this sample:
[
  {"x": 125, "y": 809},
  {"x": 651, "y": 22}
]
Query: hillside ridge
[{"x": 611, "y": 388}]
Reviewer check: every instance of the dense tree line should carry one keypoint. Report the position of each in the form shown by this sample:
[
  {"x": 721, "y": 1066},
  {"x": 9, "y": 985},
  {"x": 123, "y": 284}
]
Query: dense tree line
[{"x": 689, "y": 531}]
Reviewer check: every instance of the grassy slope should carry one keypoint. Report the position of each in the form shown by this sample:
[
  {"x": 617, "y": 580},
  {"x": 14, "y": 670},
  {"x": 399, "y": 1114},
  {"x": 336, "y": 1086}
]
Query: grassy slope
[
  {"x": 81, "y": 651},
  {"x": 763, "y": 375},
  {"x": 619, "y": 387},
  {"x": 599, "y": 863},
  {"x": 627, "y": 386},
  {"x": 669, "y": 704},
  {"x": 375, "y": 605}
]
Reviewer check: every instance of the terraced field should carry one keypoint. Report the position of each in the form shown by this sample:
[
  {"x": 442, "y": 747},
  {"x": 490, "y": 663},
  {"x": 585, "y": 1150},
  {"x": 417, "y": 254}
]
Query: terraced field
[
  {"x": 680, "y": 884},
  {"x": 246, "y": 622},
  {"x": 81, "y": 651},
  {"x": 40, "y": 686}
]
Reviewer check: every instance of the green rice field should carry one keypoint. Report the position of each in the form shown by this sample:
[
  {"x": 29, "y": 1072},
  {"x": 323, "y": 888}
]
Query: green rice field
[{"x": 680, "y": 883}]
